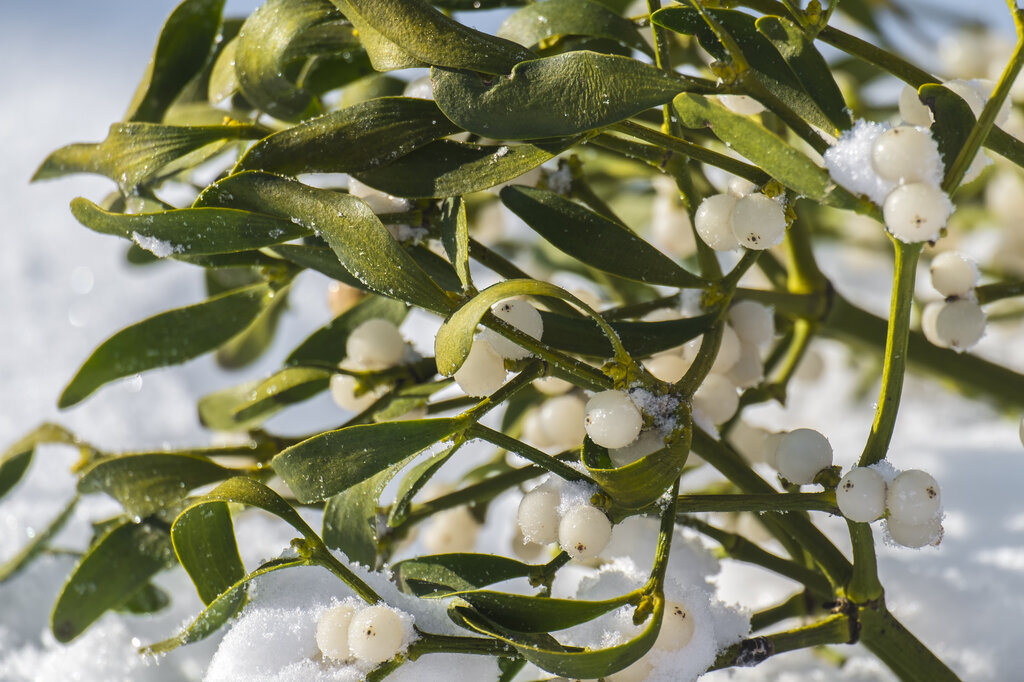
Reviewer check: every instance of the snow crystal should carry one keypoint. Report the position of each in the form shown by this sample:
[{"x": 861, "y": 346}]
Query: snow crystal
[
  {"x": 157, "y": 247},
  {"x": 849, "y": 161}
]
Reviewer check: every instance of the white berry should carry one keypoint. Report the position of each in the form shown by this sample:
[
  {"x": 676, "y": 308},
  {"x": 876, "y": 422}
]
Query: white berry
[
  {"x": 375, "y": 634},
  {"x": 612, "y": 419},
  {"x": 552, "y": 385},
  {"x": 523, "y": 317},
  {"x": 713, "y": 221},
  {"x": 802, "y": 454},
  {"x": 483, "y": 371},
  {"x": 668, "y": 367},
  {"x": 956, "y": 324},
  {"x": 749, "y": 369},
  {"x": 912, "y": 110},
  {"x": 716, "y": 398},
  {"x": 538, "y": 515},
  {"x": 344, "y": 387},
  {"x": 754, "y": 323},
  {"x": 861, "y": 495},
  {"x": 584, "y": 531},
  {"x": 728, "y": 351},
  {"x": 677, "y": 627},
  {"x": 671, "y": 229},
  {"x": 332, "y": 632},
  {"x": 914, "y": 497},
  {"x": 561, "y": 420},
  {"x": 916, "y": 212},
  {"x": 968, "y": 93},
  {"x": 758, "y": 222},
  {"x": 906, "y": 154},
  {"x": 649, "y": 441},
  {"x": 375, "y": 344},
  {"x": 914, "y": 534},
  {"x": 451, "y": 531},
  {"x": 954, "y": 273}
]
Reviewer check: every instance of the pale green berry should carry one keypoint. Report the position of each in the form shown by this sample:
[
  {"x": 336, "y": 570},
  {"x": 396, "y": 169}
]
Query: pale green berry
[
  {"x": 860, "y": 495},
  {"x": 612, "y": 419},
  {"x": 375, "y": 634},
  {"x": 801, "y": 454},
  {"x": 332, "y": 632}
]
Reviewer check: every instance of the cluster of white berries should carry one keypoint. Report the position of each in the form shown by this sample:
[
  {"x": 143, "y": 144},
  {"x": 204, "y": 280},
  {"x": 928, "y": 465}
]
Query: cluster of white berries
[
  {"x": 677, "y": 627},
  {"x": 483, "y": 371},
  {"x": 753, "y": 220},
  {"x": 582, "y": 530},
  {"x": 366, "y": 636},
  {"x": 911, "y": 501},
  {"x": 372, "y": 346},
  {"x": 957, "y": 322}
]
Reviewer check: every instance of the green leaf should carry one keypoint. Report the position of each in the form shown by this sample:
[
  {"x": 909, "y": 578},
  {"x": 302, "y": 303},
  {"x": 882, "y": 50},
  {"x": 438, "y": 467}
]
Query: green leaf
[
  {"x": 186, "y": 41},
  {"x": 145, "y": 483},
  {"x": 413, "y": 482},
  {"x": 204, "y": 541},
  {"x": 446, "y": 168},
  {"x": 358, "y": 138},
  {"x": 350, "y": 518},
  {"x": 361, "y": 242},
  {"x": 169, "y": 338},
  {"x": 541, "y": 22},
  {"x": 147, "y": 599},
  {"x": 374, "y": 86},
  {"x": 16, "y": 460},
  {"x": 584, "y": 337},
  {"x": 262, "y": 54},
  {"x": 545, "y": 652},
  {"x": 558, "y": 96},
  {"x": 523, "y": 613},
  {"x": 327, "y": 344},
  {"x": 249, "y": 344},
  {"x": 133, "y": 153},
  {"x": 114, "y": 568},
  {"x": 953, "y": 120},
  {"x": 12, "y": 566},
  {"x": 245, "y": 407},
  {"x": 455, "y": 238},
  {"x": 809, "y": 66},
  {"x": 319, "y": 258},
  {"x": 593, "y": 239},
  {"x": 190, "y": 231},
  {"x": 384, "y": 55},
  {"x": 775, "y": 156},
  {"x": 433, "y": 38},
  {"x": 447, "y": 573},
  {"x": 334, "y": 461},
  {"x": 769, "y": 67}
]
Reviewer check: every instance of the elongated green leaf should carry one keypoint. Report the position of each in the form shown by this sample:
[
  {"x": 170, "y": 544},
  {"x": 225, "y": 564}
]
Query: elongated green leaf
[
  {"x": 204, "y": 542},
  {"x": 144, "y": 483},
  {"x": 567, "y": 94},
  {"x": 809, "y": 66},
  {"x": 261, "y": 54},
  {"x": 247, "y": 346},
  {"x": 169, "y": 338},
  {"x": 186, "y": 41},
  {"x": 523, "y": 613},
  {"x": 770, "y": 69},
  {"x": 190, "y": 231},
  {"x": 761, "y": 146},
  {"x": 583, "y": 336},
  {"x": 433, "y": 38},
  {"x": 114, "y": 568},
  {"x": 383, "y": 53},
  {"x": 350, "y": 518},
  {"x": 953, "y": 120},
  {"x": 135, "y": 152},
  {"x": 413, "y": 482},
  {"x": 249, "y": 405},
  {"x": 455, "y": 238},
  {"x": 332, "y": 462},
  {"x": 39, "y": 542},
  {"x": 593, "y": 239},
  {"x": 220, "y": 610},
  {"x": 446, "y": 168},
  {"x": 362, "y": 244},
  {"x": 319, "y": 258},
  {"x": 147, "y": 599},
  {"x": 327, "y": 344},
  {"x": 357, "y": 138},
  {"x": 16, "y": 460},
  {"x": 549, "y": 655},
  {"x": 446, "y": 573},
  {"x": 541, "y": 22}
]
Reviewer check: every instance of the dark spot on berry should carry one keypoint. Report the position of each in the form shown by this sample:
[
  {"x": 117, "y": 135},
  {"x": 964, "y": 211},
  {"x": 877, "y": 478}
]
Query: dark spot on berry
[{"x": 932, "y": 494}]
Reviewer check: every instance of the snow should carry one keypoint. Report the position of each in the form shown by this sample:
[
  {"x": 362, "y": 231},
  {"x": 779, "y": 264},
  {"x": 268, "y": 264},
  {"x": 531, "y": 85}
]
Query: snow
[
  {"x": 849, "y": 161},
  {"x": 157, "y": 247}
]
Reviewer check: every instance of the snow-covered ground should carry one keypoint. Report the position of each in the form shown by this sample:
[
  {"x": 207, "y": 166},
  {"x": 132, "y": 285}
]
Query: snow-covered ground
[{"x": 65, "y": 289}]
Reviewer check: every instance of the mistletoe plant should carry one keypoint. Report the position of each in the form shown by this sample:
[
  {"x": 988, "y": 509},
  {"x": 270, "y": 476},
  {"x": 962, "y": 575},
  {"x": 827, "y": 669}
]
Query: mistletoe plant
[{"x": 585, "y": 119}]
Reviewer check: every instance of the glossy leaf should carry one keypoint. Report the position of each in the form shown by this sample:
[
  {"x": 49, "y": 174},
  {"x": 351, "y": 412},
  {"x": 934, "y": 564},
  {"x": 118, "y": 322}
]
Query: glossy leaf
[
  {"x": 147, "y": 599},
  {"x": 433, "y": 38},
  {"x": 16, "y": 460},
  {"x": 809, "y": 66},
  {"x": 455, "y": 238},
  {"x": 583, "y": 336},
  {"x": 384, "y": 54},
  {"x": 327, "y": 344},
  {"x": 261, "y": 54},
  {"x": 350, "y": 518},
  {"x": 593, "y": 239},
  {"x": 319, "y": 258},
  {"x": 413, "y": 482},
  {"x": 249, "y": 344},
  {"x": 446, "y": 573},
  {"x": 145, "y": 483},
  {"x": 334, "y": 461},
  {"x": 541, "y": 22},
  {"x": 135, "y": 152},
  {"x": 185, "y": 43},
  {"x": 953, "y": 120},
  {"x": 39, "y": 542},
  {"x": 769, "y": 67},
  {"x": 190, "y": 231},
  {"x": 557, "y": 96},
  {"x": 362, "y": 244},
  {"x": 775, "y": 156},
  {"x": 524, "y": 613},
  {"x": 111, "y": 571},
  {"x": 446, "y": 168},
  {"x": 357, "y": 138},
  {"x": 204, "y": 542},
  {"x": 169, "y": 338},
  {"x": 249, "y": 405}
]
